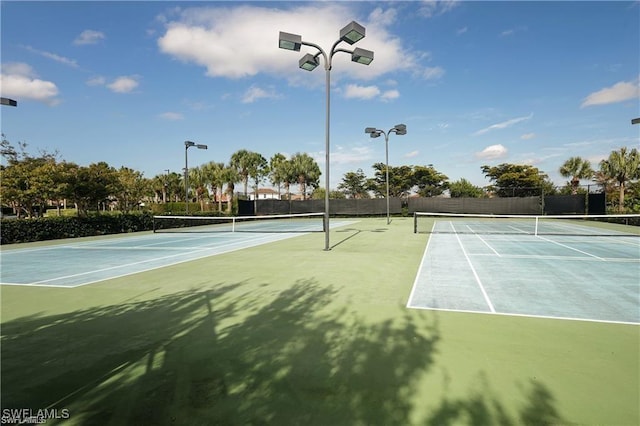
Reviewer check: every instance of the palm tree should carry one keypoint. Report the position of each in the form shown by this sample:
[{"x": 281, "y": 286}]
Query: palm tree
[
  {"x": 230, "y": 176},
  {"x": 288, "y": 177},
  {"x": 175, "y": 186},
  {"x": 215, "y": 177},
  {"x": 622, "y": 167},
  {"x": 277, "y": 166},
  {"x": 576, "y": 168},
  {"x": 198, "y": 181},
  {"x": 241, "y": 161},
  {"x": 258, "y": 169},
  {"x": 306, "y": 170}
]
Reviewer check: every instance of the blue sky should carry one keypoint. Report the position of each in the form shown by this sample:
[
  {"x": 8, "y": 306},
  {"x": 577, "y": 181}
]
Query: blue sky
[{"x": 475, "y": 82}]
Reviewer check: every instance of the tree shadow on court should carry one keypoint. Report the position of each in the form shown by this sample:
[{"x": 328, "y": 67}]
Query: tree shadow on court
[
  {"x": 483, "y": 407},
  {"x": 226, "y": 355},
  {"x": 206, "y": 357},
  {"x": 47, "y": 359}
]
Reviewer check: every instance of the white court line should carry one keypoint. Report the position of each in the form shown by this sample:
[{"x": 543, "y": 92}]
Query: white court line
[
  {"x": 487, "y": 244},
  {"x": 422, "y": 263},
  {"x": 507, "y": 314},
  {"x": 572, "y": 248},
  {"x": 475, "y": 274},
  {"x": 551, "y": 257}
]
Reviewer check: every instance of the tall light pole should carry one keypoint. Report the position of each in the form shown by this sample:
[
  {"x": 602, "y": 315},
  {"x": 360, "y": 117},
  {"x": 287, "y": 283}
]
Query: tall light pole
[
  {"x": 350, "y": 34},
  {"x": 398, "y": 129},
  {"x": 187, "y": 145}
]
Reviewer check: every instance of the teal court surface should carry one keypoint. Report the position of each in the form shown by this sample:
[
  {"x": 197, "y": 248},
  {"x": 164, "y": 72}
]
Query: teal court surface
[
  {"x": 594, "y": 278},
  {"x": 76, "y": 262}
]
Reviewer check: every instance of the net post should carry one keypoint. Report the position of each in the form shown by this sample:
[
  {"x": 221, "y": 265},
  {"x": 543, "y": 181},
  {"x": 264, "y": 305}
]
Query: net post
[
  {"x": 153, "y": 221},
  {"x": 535, "y": 232},
  {"x": 415, "y": 222},
  {"x": 233, "y": 224}
]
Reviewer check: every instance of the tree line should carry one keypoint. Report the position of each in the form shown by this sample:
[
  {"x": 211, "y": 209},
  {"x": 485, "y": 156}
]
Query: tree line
[{"x": 30, "y": 184}]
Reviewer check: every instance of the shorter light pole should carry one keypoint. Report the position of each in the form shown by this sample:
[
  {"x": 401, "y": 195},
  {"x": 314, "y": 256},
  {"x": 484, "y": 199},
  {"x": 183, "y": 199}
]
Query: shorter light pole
[
  {"x": 166, "y": 186},
  {"x": 187, "y": 145},
  {"x": 398, "y": 129}
]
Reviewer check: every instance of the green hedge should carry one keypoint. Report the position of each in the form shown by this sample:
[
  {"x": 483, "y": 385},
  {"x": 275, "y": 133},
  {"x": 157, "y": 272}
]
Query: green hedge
[{"x": 53, "y": 228}]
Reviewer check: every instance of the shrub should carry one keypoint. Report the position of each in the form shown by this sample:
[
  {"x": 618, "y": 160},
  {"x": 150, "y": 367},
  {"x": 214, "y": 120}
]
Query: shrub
[{"x": 57, "y": 227}]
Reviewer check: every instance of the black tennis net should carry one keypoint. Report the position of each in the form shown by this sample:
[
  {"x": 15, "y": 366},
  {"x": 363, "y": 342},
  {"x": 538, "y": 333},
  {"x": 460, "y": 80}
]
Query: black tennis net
[{"x": 308, "y": 222}]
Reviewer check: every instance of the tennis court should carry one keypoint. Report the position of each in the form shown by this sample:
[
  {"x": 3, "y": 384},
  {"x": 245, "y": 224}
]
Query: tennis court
[
  {"x": 287, "y": 333},
  {"x": 78, "y": 263},
  {"x": 524, "y": 266}
]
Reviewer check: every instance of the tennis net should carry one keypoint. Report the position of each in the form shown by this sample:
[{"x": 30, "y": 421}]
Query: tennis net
[
  {"x": 308, "y": 222},
  {"x": 588, "y": 225}
]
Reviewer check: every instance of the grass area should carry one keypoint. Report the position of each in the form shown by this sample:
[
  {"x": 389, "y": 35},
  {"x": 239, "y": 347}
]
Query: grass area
[{"x": 287, "y": 333}]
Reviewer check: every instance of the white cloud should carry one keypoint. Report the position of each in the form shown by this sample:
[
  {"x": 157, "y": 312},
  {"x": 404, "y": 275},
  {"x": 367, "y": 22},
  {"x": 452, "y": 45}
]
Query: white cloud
[
  {"x": 382, "y": 17},
  {"x": 390, "y": 94},
  {"x": 462, "y": 30},
  {"x": 96, "y": 81},
  {"x": 361, "y": 92},
  {"x": 619, "y": 92},
  {"x": 528, "y": 136},
  {"x": 19, "y": 81},
  {"x": 432, "y": 73},
  {"x": 124, "y": 84},
  {"x": 355, "y": 91},
  {"x": 89, "y": 37},
  {"x": 351, "y": 155},
  {"x": 430, "y": 8},
  {"x": 492, "y": 152},
  {"x": 411, "y": 154},
  {"x": 18, "y": 68},
  {"x": 172, "y": 116},
  {"x": 504, "y": 124},
  {"x": 61, "y": 59},
  {"x": 512, "y": 31},
  {"x": 210, "y": 37},
  {"x": 254, "y": 93}
]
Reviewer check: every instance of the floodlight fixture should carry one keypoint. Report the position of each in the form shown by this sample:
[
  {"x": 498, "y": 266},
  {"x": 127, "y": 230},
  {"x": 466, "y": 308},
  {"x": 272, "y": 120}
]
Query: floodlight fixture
[
  {"x": 399, "y": 129},
  {"x": 8, "y": 102},
  {"x": 289, "y": 41},
  {"x": 635, "y": 121},
  {"x": 308, "y": 62},
  {"x": 352, "y": 33},
  {"x": 373, "y": 132},
  {"x": 362, "y": 56}
]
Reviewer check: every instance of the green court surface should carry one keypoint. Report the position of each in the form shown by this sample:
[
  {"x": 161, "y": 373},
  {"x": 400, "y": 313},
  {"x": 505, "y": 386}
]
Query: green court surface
[{"x": 287, "y": 333}]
